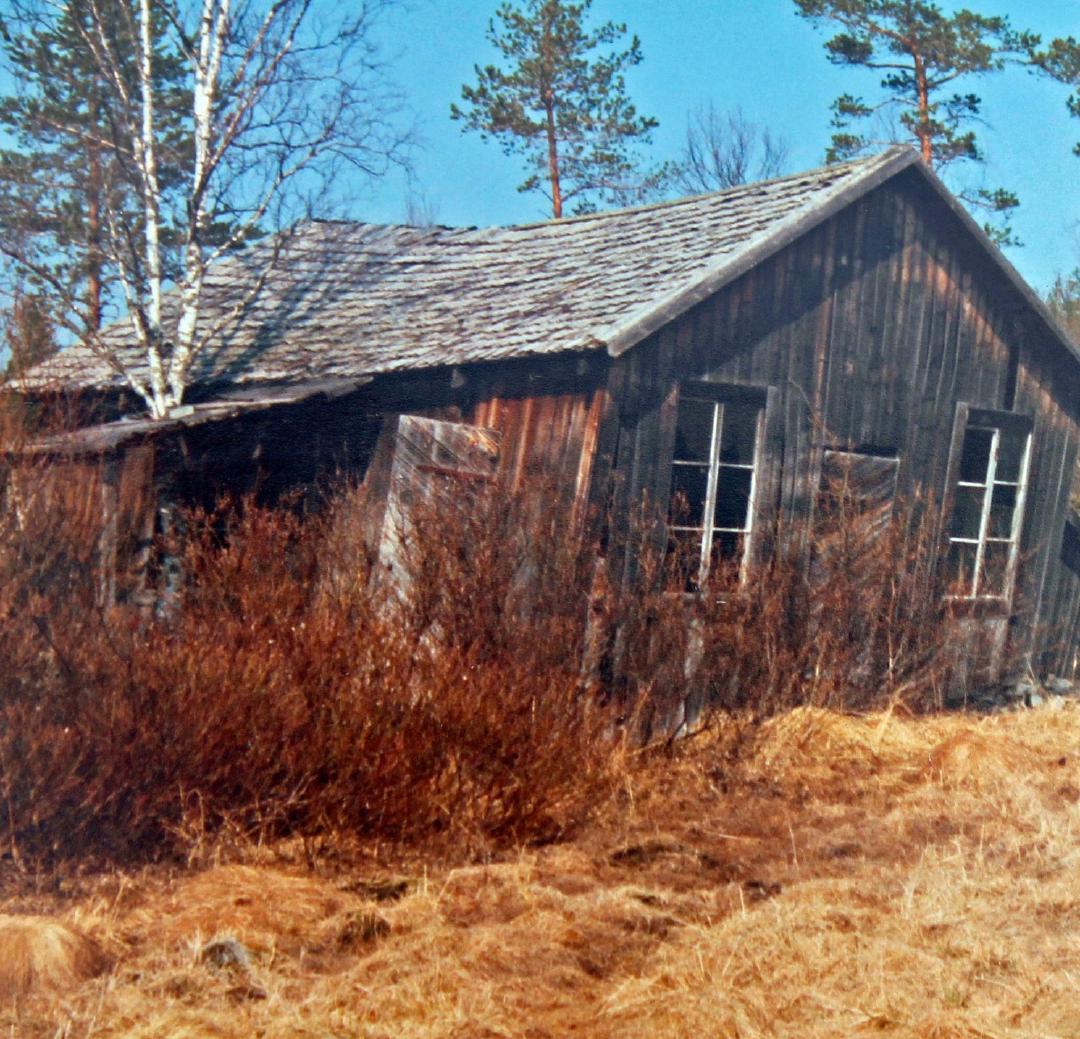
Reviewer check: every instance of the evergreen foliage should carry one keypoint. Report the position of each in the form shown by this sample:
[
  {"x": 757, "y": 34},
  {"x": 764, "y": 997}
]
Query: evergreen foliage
[
  {"x": 71, "y": 164},
  {"x": 29, "y": 333},
  {"x": 1060, "y": 59},
  {"x": 922, "y": 55},
  {"x": 562, "y": 106},
  {"x": 1063, "y": 299},
  {"x": 153, "y": 138}
]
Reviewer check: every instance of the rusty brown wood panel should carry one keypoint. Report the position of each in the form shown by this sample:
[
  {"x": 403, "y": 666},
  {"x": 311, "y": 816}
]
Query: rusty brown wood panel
[
  {"x": 544, "y": 437},
  {"x": 435, "y": 466}
]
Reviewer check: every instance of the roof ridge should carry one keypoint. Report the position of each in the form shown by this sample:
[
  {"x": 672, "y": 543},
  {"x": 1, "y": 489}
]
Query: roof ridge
[{"x": 840, "y": 168}]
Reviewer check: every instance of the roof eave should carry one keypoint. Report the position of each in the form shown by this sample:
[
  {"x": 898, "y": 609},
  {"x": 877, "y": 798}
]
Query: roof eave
[
  {"x": 111, "y": 436},
  {"x": 624, "y": 335},
  {"x": 628, "y": 333}
]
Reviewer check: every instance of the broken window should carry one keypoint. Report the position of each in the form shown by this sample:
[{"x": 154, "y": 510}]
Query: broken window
[
  {"x": 714, "y": 476},
  {"x": 990, "y": 484},
  {"x": 854, "y": 508},
  {"x": 424, "y": 464}
]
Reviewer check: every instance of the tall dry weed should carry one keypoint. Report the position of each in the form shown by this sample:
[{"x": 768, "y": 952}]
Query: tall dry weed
[
  {"x": 850, "y": 613},
  {"x": 271, "y": 700},
  {"x": 480, "y": 700}
]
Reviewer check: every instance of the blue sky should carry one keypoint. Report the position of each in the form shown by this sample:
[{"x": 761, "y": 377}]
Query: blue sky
[{"x": 757, "y": 55}]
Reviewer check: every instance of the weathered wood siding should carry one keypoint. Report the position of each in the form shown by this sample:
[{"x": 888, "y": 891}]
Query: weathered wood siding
[
  {"x": 871, "y": 329},
  {"x": 1049, "y": 389},
  {"x": 1059, "y": 639},
  {"x": 549, "y": 414},
  {"x": 865, "y": 334}
]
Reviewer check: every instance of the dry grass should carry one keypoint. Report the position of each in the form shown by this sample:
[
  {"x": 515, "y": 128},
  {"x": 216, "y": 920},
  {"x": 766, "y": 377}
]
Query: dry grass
[
  {"x": 422, "y": 819},
  {"x": 42, "y": 955},
  {"x": 820, "y": 875}
]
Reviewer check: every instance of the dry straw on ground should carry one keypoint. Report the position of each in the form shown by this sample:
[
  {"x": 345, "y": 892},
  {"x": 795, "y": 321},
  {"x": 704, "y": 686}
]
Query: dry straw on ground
[
  {"x": 838, "y": 876},
  {"x": 39, "y": 955}
]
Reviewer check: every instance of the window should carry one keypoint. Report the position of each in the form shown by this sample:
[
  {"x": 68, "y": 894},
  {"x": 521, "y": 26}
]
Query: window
[
  {"x": 714, "y": 477},
  {"x": 1070, "y": 544},
  {"x": 859, "y": 485},
  {"x": 854, "y": 508},
  {"x": 991, "y": 475}
]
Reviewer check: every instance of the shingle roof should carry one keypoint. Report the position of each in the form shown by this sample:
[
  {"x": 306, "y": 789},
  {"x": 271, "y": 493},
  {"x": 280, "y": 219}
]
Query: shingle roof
[{"x": 352, "y": 300}]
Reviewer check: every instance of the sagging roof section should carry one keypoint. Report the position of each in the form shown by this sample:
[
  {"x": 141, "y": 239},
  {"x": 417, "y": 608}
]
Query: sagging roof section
[
  {"x": 349, "y": 301},
  {"x": 345, "y": 301}
]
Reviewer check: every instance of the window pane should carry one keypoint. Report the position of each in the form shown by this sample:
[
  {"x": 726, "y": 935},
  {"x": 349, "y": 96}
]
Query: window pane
[
  {"x": 1002, "y": 508},
  {"x": 684, "y": 556},
  {"x": 975, "y": 457},
  {"x": 739, "y": 433},
  {"x": 967, "y": 512},
  {"x": 1010, "y": 456},
  {"x": 688, "y": 487},
  {"x": 732, "y": 498},
  {"x": 960, "y": 568},
  {"x": 726, "y": 550},
  {"x": 995, "y": 564},
  {"x": 693, "y": 430}
]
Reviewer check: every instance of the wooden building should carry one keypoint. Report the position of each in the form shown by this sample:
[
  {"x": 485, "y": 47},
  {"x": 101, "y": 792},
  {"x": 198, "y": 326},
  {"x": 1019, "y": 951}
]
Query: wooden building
[{"x": 726, "y": 352}]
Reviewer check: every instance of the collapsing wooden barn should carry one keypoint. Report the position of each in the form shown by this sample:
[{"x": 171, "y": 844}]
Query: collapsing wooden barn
[{"x": 727, "y": 352}]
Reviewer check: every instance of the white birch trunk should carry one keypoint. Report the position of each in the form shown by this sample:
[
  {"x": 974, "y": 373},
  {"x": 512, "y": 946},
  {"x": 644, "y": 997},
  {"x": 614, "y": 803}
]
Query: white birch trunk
[
  {"x": 236, "y": 65},
  {"x": 162, "y": 397}
]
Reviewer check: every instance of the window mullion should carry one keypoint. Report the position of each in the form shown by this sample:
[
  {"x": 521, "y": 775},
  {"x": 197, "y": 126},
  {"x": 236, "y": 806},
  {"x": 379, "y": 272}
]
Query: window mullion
[
  {"x": 751, "y": 503},
  {"x": 984, "y": 519},
  {"x": 1017, "y": 518},
  {"x": 708, "y": 519}
]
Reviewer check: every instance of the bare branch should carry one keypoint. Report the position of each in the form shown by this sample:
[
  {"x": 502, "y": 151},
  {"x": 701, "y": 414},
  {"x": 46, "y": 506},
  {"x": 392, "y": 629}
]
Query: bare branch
[
  {"x": 725, "y": 149},
  {"x": 275, "y": 98}
]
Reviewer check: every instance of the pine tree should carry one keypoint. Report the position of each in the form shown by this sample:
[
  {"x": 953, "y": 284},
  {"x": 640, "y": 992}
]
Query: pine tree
[
  {"x": 562, "y": 106},
  {"x": 922, "y": 54},
  {"x": 70, "y": 169},
  {"x": 1059, "y": 59},
  {"x": 28, "y": 331}
]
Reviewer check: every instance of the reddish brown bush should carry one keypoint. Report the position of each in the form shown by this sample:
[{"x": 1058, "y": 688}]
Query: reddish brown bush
[
  {"x": 479, "y": 699},
  {"x": 281, "y": 701},
  {"x": 849, "y": 614}
]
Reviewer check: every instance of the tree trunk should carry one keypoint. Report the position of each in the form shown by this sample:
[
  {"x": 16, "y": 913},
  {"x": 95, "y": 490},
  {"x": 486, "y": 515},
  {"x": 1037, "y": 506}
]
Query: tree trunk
[
  {"x": 94, "y": 256},
  {"x": 923, "y": 133},
  {"x": 553, "y": 155},
  {"x": 146, "y": 156}
]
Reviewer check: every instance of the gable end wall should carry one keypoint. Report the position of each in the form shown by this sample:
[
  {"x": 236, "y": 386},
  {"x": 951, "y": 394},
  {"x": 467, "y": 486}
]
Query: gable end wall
[{"x": 871, "y": 328}]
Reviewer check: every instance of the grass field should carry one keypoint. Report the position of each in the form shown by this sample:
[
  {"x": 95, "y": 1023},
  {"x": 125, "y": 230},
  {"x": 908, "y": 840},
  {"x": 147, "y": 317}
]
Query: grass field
[{"x": 822, "y": 875}]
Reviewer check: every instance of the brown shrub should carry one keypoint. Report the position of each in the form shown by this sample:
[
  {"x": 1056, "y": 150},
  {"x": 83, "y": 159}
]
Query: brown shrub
[
  {"x": 271, "y": 701},
  {"x": 479, "y": 700},
  {"x": 849, "y": 619}
]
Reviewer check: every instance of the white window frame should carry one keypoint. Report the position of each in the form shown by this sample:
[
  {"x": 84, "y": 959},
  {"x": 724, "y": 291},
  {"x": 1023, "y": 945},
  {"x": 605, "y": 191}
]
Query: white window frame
[
  {"x": 995, "y": 423},
  {"x": 721, "y": 396}
]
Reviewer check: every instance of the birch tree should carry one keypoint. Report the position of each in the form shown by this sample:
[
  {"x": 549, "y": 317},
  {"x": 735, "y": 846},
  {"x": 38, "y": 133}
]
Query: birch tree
[
  {"x": 59, "y": 166},
  {"x": 287, "y": 98}
]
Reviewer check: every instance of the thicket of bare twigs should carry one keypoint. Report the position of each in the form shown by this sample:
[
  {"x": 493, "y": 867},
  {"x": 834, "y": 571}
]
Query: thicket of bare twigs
[{"x": 285, "y": 692}]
